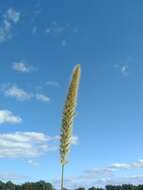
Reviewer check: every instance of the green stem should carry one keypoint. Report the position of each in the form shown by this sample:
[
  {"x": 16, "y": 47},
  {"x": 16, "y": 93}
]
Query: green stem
[{"x": 62, "y": 178}]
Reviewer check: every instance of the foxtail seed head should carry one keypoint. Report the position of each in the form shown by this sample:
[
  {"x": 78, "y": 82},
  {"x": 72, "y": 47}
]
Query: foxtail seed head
[{"x": 68, "y": 115}]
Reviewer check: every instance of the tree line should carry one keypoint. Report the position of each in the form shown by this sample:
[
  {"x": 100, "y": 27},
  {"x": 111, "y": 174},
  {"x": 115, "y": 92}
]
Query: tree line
[
  {"x": 116, "y": 187},
  {"x": 42, "y": 185}
]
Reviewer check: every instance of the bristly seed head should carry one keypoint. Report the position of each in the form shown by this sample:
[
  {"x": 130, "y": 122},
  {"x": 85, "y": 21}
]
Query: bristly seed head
[{"x": 68, "y": 115}]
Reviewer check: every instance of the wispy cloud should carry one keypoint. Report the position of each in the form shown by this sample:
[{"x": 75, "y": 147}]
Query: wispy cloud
[
  {"x": 12, "y": 15},
  {"x": 21, "y": 66},
  {"x": 115, "y": 167},
  {"x": 104, "y": 176},
  {"x": 10, "y": 18},
  {"x": 42, "y": 97},
  {"x": 7, "y": 116},
  {"x": 16, "y": 92},
  {"x": 7, "y": 176},
  {"x": 26, "y": 145},
  {"x": 135, "y": 180},
  {"x": 55, "y": 28},
  {"x": 20, "y": 94},
  {"x": 31, "y": 162},
  {"x": 124, "y": 69},
  {"x": 53, "y": 83}
]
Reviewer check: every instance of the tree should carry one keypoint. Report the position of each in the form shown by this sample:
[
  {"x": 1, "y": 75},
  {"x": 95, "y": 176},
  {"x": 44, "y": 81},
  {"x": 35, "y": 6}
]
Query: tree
[
  {"x": 110, "y": 187},
  {"x": 49, "y": 186},
  {"x": 127, "y": 187},
  {"x": 95, "y": 188},
  {"x": 80, "y": 188},
  {"x": 2, "y": 185},
  {"x": 10, "y": 186},
  {"x": 92, "y": 188}
]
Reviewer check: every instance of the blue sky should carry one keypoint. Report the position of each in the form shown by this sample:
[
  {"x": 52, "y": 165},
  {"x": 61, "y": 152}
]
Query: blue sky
[{"x": 40, "y": 43}]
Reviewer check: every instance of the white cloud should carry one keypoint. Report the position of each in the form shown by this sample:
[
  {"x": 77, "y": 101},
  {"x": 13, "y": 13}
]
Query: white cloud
[
  {"x": 124, "y": 69},
  {"x": 106, "y": 175},
  {"x": 53, "y": 83},
  {"x": 23, "y": 144},
  {"x": 134, "y": 165},
  {"x": 16, "y": 92},
  {"x": 20, "y": 94},
  {"x": 55, "y": 28},
  {"x": 10, "y": 18},
  {"x": 12, "y": 15},
  {"x": 21, "y": 66},
  {"x": 73, "y": 183},
  {"x": 32, "y": 162},
  {"x": 7, "y": 116},
  {"x": 109, "y": 170},
  {"x": 26, "y": 145},
  {"x": 42, "y": 97},
  {"x": 74, "y": 140},
  {"x": 11, "y": 176},
  {"x": 135, "y": 180}
]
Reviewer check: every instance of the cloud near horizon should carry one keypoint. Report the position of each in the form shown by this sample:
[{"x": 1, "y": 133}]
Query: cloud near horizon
[
  {"x": 7, "y": 176},
  {"x": 100, "y": 177}
]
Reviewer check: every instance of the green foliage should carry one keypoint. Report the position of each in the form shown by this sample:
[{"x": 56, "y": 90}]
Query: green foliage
[
  {"x": 95, "y": 188},
  {"x": 80, "y": 188},
  {"x": 40, "y": 185},
  {"x": 124, "y": 187}
]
